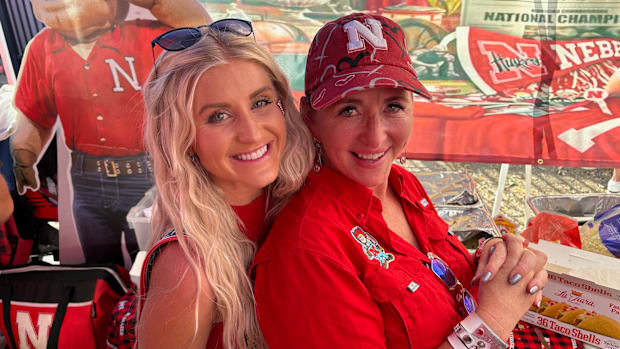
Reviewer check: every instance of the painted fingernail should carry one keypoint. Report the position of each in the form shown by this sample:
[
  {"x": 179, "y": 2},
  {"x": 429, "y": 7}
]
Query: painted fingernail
[
  {"x": 534, "y": 289},
  {"x": 515, "y": 279},
  {"x": 474, "y": 280},
  {"x": 492, "y": 249},
  {"x": 538, "y": 304},
  {"x": 486, "y": 277}
]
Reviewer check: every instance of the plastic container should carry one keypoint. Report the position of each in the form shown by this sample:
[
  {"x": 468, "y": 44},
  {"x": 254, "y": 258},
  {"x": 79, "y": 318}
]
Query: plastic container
[
  {"x": 580, "y": 207},
  {"x": 136, "y": 268},
  {"x": 450, "y": 188},
  {"x": 139, "y": 221},
  {"x": 469, "y": 224}
]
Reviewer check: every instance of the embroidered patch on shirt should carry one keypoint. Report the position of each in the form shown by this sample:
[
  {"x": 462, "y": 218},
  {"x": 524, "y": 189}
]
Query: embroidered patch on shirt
[
  {"x": 371, "y": 247},
  {"x": 424, "y": 202}
]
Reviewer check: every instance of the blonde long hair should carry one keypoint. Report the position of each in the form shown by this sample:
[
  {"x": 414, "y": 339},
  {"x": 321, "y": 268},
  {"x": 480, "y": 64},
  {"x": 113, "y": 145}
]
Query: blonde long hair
[{"x": 189, "y": 201}]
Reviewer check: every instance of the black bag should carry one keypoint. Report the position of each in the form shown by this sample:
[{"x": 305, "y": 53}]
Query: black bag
[{"x": 65, "y": 306}]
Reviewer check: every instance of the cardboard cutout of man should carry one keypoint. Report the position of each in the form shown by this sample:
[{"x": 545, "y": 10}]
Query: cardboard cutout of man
[{"x": 88, "y": 68}]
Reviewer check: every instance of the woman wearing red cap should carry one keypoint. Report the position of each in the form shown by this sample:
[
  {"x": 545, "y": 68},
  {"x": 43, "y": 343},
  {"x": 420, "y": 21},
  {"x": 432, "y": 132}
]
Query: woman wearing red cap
[{"x": 359, "y": 257}]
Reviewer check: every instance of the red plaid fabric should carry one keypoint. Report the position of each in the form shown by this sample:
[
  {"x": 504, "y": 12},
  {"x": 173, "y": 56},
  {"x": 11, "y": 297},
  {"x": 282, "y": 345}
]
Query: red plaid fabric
[
  {"x": 5, "y": 247},
  {"x": 13, "y": 249},
  {"x": 122, "y": 327},
  {"x": 524, "y": 336}
]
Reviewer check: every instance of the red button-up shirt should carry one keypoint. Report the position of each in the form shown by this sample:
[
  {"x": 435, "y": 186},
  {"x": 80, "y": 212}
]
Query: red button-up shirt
[
  {"x": 318, "y": 286},
  {"x": 99, "y": 100}
]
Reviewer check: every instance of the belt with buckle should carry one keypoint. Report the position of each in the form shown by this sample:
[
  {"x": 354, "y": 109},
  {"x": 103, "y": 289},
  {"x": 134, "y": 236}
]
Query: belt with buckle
[{"x": 114, "y": 168}]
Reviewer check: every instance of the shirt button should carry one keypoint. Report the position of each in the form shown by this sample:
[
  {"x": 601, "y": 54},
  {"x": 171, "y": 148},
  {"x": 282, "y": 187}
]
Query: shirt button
[
  {"x": 99, "y": 117},
  {"x": 86, "y": 66},
  {"x": 412, "y": 287},
  {"x": 95, "y": 94},
  {"x": 102, "y": 139}
]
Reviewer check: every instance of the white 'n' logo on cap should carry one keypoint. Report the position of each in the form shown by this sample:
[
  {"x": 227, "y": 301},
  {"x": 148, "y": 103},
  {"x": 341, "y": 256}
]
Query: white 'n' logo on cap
[{"x": 356, "y": 31}]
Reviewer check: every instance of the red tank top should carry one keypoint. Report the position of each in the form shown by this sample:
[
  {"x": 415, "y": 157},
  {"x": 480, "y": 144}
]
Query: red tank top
[{"x": 253, "y": 217}]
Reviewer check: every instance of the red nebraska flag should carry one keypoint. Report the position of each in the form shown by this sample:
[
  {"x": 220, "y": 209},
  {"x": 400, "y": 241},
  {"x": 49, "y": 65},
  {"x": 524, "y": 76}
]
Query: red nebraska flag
[
  {"x": 581, "y": 137},
  {"x": 497, "y": 62}
]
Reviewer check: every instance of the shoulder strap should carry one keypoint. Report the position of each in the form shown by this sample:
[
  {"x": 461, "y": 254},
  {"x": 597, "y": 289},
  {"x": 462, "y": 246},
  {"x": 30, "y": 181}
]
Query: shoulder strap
[
  {"x": 7, "y": 295},
  {"x": 61, "y": 311},
  {"x": 149, "y": 260}
]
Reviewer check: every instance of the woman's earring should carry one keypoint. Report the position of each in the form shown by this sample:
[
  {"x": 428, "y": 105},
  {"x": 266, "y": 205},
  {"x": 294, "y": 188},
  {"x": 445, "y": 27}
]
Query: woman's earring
[
  {"x": 403, "y": 159},
  {"x": 280, "y": 106},
  {"x": 319, "y": 160}
]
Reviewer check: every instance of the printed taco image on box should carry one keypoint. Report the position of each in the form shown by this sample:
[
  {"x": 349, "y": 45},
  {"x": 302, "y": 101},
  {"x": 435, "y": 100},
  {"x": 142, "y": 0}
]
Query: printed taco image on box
[{"x": 582, "y": 297}]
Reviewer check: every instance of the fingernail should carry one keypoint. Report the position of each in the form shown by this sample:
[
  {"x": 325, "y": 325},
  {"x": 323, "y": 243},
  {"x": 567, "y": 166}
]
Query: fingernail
[
  {"x": 534, "y": 289},
  {"x": 486, "y": 277},
  {"x": 474, "y": 280},
  {"x": 515, "y": 279},
  {"x": 538, "y": 304},
  {"x": 492, "y": 249}
]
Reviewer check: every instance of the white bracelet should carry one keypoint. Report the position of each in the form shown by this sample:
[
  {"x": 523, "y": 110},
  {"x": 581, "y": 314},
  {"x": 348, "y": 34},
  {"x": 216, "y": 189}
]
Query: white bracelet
[
  {"x": 455, "y": 341},
  {"x": 475, "y": 333}
]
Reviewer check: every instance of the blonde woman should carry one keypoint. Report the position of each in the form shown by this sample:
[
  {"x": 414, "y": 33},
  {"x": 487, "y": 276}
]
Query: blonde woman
[{"x": 228, "y": 149}]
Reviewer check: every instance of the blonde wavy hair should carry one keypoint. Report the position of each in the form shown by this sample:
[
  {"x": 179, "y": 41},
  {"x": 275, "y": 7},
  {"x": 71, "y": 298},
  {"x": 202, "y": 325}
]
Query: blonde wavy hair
[{"x": 189, "y": 201}]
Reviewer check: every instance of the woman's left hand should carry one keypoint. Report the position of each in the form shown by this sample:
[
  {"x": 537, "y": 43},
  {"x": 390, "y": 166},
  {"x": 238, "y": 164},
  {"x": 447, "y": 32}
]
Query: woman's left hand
[{"x": 493, "y": 256}]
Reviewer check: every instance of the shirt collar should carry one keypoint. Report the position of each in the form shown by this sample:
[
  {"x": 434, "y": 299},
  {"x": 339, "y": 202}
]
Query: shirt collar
[
  {"x": 342, "y": 187},
  {"x": 406, "y": 189},
  {"x": 411, "y": 191},
  {"x": 57, "y": 41},
  {"x": 404, "y": 184},
  {"x": 111, "y": 35}
]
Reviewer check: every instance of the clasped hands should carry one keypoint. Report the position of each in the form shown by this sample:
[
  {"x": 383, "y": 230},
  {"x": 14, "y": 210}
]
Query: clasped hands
[{"x": 511, "y": 277}]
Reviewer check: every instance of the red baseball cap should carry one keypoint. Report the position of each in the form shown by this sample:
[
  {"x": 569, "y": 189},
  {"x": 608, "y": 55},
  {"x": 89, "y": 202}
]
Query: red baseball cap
[{"x": 357, "y": 52}]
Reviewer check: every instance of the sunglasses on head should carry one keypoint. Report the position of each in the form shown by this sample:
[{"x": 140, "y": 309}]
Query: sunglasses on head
[
  {"x": 182, "y": 38},
  {"x": 464, "y": 299}
]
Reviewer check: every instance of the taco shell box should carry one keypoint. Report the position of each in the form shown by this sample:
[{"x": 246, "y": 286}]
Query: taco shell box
[{"x": 582, "y": 296}]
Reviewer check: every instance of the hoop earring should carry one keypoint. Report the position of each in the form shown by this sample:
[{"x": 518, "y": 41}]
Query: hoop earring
[
  {"x": 403, "y": 159},
  {"x": 318, "y": 150}
]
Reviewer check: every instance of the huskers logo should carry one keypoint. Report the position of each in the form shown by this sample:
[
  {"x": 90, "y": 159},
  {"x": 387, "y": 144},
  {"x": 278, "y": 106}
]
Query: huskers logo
[
  {"x": 116, "y": 68},
  {"x": 27, "y": 333},
  {"x": 509, "y": 64},
  {"x": 371, "y": 32},
  {"x": 371, "y": 247}
]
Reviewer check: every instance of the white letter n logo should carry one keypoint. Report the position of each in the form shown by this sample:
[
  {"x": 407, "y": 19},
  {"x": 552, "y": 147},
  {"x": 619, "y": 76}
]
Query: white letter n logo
[
  {"x": 116, "y": 68},
  {"x": 356, "y": 31},
  {"x": 26, "y": 330}
]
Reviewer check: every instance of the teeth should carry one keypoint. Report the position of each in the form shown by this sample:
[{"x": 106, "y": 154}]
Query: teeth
[
  {"x": 369, "y": 156},
  {"x": 257, "y": 154}
]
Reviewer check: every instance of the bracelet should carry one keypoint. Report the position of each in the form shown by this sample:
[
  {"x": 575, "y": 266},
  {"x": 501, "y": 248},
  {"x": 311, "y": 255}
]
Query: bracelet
[
  {"x": 455, "y": 341},
  {"x": 475, "y": 333}
]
